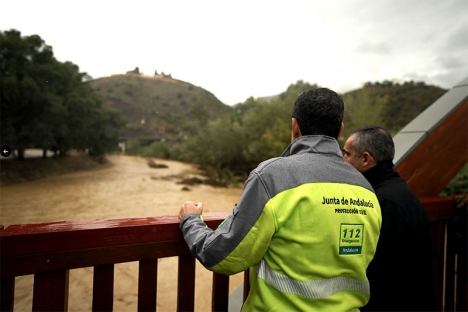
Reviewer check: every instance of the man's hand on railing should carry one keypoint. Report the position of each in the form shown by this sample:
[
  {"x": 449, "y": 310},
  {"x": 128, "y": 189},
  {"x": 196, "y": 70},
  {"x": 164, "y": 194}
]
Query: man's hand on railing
[{"x": 190, "y": 207}]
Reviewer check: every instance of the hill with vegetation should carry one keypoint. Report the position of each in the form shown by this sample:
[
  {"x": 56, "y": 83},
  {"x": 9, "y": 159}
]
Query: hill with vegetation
[
  {"x": 158, "y": 107},
  {"x": 388, "y": 104}
]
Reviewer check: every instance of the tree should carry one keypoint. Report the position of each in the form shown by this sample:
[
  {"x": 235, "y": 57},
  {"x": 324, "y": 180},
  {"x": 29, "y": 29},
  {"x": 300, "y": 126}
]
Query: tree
[
  {"x": 23, "y": 97},
  {"x": 363, "y": 108},
  {"x": 258, "y": 130},
  {"x": 48, "y": 104}
]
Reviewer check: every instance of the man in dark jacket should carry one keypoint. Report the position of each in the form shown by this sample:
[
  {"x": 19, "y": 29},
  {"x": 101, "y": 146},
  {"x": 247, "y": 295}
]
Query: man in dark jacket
[{"x": 400, "y": 275}]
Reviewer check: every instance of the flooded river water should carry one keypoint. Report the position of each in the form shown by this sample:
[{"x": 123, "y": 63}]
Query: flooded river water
[{"x": 127, "y": 188}]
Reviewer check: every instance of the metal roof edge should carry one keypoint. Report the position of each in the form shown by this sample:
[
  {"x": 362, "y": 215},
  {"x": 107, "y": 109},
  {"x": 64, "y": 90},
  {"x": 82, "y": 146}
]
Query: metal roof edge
[{"x": 410, "y": 136}]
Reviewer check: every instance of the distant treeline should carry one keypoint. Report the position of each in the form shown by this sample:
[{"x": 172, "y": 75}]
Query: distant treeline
[{"x": 48, "y": 104}]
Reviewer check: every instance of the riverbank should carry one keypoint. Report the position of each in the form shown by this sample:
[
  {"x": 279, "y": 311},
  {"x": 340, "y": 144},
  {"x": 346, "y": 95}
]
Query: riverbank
[{"x": 14, "y": 171}]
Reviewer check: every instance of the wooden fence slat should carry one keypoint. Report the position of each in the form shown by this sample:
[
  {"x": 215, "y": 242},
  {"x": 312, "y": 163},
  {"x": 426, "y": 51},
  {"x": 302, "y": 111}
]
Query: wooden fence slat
[
  {"x": 7, "y": 290},
  {"x": 437, "y": 229},
  {"x": 220, "y": 297},
  {"x": 7, "y": 293},
  {"x": 147, "y": 284},
  {"x": 51, "y": 291},
  {"x": 103, "y": 288},
  {"x": 246, "y": 284},
  {"x": 186, "y": 284},
  {"x": 462, "y": 276},
  {"x": 450, "y": 269}
]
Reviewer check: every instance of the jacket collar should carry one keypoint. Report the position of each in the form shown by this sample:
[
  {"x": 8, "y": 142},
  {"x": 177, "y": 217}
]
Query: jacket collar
[
  {"x": 380, "y": 172},
  {"x": 320, "y": 144}
]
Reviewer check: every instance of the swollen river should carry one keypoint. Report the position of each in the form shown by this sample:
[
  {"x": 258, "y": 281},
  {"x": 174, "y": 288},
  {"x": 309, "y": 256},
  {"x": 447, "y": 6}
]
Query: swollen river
[{"x": 128, "y": 188}]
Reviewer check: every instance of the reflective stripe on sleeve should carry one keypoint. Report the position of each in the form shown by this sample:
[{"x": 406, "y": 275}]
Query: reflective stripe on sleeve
[{"x": 314, "y": 289}]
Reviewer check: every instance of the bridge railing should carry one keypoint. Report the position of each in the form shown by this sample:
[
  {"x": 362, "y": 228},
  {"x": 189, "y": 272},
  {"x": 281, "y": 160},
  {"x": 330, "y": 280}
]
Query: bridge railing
[{"x": 48, "y": 251}]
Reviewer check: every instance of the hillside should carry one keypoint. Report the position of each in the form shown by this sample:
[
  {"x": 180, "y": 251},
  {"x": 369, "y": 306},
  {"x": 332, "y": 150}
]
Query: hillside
[
  {"x": 402, "y": 102},
  {"x": 158, "y": 107},
  {"x": 396, "y": 104}
]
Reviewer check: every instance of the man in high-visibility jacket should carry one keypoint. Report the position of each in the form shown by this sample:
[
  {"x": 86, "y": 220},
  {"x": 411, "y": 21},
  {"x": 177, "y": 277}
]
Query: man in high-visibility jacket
[{"x": 306, "y": 224}]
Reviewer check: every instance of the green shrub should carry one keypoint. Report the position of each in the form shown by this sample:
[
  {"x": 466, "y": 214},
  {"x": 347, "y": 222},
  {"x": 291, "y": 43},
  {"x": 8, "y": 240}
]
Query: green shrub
[{"x": 132, "y": 147}]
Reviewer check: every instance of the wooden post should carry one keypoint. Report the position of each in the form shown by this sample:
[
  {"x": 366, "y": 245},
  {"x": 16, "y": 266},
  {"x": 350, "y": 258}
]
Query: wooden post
[
  {"x": 7, "y": 293},
  {"x": 246, "y": 284},
  {"x": 147, "y": 284},
  {"x": 449, "y": 268},
  {"x": 220, "y": 292},
  {"x": 186, "y": 284},
  {"x": 103, "y": 288},
  {"x": 51, "y": 291}
]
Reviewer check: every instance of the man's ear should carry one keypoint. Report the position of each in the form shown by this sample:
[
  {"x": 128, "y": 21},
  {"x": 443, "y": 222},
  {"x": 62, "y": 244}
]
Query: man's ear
[
  {"x": 341, "y": 130},
  {"x": 367, "y": 160},
  {"x": 295, "y": 131}
]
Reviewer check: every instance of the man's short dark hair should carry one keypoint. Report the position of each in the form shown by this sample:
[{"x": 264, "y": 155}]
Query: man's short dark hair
[
  {"x": 376, "y": 141},
  {"x": 319, "y": 112}
]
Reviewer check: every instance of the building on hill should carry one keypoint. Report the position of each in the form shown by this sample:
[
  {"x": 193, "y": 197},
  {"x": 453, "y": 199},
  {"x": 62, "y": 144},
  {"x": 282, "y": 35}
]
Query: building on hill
[
  {"x": 135, "y": 71},
  {"x": 162, "y": 75}
]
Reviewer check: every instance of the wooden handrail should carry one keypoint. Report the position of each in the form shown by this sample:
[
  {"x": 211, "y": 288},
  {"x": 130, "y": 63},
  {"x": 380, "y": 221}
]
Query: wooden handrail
[
  {"x": 438, "y": 208},
  {"x": 28, "y": 239}
]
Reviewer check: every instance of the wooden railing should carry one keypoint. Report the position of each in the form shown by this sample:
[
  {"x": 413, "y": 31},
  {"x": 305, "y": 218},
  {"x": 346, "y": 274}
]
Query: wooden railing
[{"x": 50, "y": 250}]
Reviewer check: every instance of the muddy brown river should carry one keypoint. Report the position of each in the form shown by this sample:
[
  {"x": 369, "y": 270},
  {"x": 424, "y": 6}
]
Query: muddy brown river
[{"x": 127, "y": 188}]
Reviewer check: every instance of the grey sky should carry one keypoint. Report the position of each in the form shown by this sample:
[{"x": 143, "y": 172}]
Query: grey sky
[{"x": 237, "y": 49}]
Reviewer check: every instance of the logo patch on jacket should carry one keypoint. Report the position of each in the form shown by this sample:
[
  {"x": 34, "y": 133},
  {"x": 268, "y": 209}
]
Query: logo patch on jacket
[{"x": 351, "y": 239}]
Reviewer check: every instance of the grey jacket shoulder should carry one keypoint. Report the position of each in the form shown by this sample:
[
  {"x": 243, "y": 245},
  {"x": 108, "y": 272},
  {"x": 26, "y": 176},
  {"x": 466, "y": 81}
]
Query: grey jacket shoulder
[{"x": 309, "y": 159}]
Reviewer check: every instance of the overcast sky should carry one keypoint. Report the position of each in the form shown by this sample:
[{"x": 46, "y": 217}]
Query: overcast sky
[{"x": 237, "y": 49}]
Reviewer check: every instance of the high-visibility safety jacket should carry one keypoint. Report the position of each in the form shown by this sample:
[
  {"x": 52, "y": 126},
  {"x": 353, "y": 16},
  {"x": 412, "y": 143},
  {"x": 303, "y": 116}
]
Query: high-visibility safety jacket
[{"x": 307, "y": 226}]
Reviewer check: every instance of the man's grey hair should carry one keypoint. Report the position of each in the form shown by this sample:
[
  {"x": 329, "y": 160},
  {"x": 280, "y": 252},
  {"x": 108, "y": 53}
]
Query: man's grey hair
[{"x": 376, "y": 141}]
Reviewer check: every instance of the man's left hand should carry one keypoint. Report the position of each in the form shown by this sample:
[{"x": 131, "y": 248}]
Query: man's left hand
[{"x": 190, "y": 207}]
